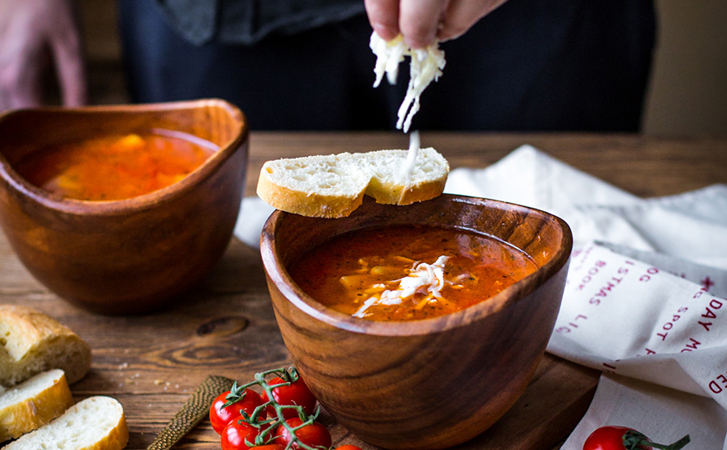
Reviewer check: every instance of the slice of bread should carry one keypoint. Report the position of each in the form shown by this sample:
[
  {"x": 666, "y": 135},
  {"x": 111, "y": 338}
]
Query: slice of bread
[
  {"x": 33, "y": 403},
  {"x": 315, "y": 186},
  {"x": 97, "y": 423},
  {"x": 334, "y": 185},
  {"x": 31, "y": 343}
]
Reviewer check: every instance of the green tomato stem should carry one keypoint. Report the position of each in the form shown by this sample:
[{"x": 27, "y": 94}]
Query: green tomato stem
[
  {"x": 289, "y": 376},
  {"x": 633, "y": 440}
]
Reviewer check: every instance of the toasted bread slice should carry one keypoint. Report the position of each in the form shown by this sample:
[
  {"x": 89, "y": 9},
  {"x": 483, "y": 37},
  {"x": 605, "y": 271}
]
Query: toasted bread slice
[
  {"x": 334, "y": 185},
  {"x": 425, "y": 181},
  {"x": 33, "y": 403},
  {"x": 97, "y": 423},
  {"x": 31, "y": 343},
  {"x": 315, "y": 186}
]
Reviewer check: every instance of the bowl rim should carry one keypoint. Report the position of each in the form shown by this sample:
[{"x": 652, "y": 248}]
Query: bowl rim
[
  {"x": 278, "y": 274},
  {"x": 141, "y": 202}
]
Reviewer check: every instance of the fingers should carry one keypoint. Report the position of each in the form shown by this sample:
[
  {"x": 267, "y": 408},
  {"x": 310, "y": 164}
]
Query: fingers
[
  {"x": 416, "y": 20},
  {"x": 28, "y": 29},
  {"x": 68, "y": 56},
  {"x": 419, "y": 20},
  {"x": 22, "y": 58},
  {"x": 423, "y": 21},
  {"x": 71, "y": 72},
  {"x": 25, "y": 93},
  {"x": 462, "y": 14},
  {"x": 25, "y": 96},
  {"x": 383, "y": 17}
]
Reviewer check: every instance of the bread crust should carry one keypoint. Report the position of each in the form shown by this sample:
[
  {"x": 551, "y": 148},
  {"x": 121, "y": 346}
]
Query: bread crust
[
  {"x": 305, "y": 204},
  {"x": 377, "y": 172},
  {"x": 33, "y": 342},
  {"x": 399, "y": 195},
  {"x": 32, "y": 413},
  {"x": 115, "y": 438}
]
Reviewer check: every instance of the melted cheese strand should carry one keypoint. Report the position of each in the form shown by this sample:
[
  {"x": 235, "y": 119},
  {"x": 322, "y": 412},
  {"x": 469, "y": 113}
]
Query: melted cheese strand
[
  {"x": 406, "y": 169},
  {"x": 426, "y": 65}
]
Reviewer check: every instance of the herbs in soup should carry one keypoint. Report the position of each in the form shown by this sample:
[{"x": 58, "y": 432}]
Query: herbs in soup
[
  {"x": 115, "y": 167},
  {"x": 409, "y": 272}
]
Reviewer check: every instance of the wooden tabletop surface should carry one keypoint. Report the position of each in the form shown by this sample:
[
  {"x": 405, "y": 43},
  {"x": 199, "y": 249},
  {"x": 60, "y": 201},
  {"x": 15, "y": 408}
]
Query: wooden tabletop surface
[{"x": 151, "y": 363}]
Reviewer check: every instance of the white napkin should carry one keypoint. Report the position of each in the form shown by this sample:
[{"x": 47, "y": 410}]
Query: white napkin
[
  {"x": 646, "y": 278},
  {"x": 684, "y": 235},
  {"x": 687, "y": 225},
  {"x": 672, "y": 414}
]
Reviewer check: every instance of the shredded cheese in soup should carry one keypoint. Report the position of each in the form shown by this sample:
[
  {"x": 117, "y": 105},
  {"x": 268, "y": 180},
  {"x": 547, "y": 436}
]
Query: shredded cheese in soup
[
  {"x": 409, "y": 273},
  {"x": 423, "y": 278}
]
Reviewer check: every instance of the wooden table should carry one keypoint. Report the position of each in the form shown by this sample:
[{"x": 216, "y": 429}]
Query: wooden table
[{"x": 151, "y": 363}]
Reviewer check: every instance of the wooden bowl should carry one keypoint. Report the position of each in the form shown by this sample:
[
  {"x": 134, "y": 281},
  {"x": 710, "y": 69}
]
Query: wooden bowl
[
  {"x": 130, "y": 255},
  {"x": 426, "y": 384}
]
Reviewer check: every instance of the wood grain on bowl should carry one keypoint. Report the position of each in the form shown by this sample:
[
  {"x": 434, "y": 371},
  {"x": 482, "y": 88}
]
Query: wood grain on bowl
[
  {"x": 432, "y": 383},
  {"x": 129, "y": 255}
]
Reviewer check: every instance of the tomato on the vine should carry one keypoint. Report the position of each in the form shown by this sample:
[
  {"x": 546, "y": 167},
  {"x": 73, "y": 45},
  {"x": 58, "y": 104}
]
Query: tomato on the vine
[
  {"x": 296, "y": 393},
  {"x": 270, "y": 447},
  {"x": 313, "y": 435},
  {"x": 624, "y": 438},
  {"x": 221, "y": 415},
  {"x": 236, "y": 435}
]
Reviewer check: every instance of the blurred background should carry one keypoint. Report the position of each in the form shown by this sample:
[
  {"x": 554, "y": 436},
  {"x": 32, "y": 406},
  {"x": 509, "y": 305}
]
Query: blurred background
[{"x": 687, "y": 94}]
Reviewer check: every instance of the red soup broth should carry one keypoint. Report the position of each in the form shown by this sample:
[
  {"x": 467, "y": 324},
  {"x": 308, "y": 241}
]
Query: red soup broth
[
  {"x": 409, "y": 272},
  {"x": 115, "y": 167}
]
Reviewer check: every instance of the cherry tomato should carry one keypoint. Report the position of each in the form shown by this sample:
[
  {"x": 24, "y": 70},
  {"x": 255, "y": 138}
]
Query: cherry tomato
[
  {"x": 270, "y": 447},
  {"x": 348, "y": 447},
  {"x": 221, "y": 416},
  {"x": 314, "y": 435},
  {"x": 624, "y": 438},
  {"x": 296, "y": 393},
  {"x": 236, "y": 433}
]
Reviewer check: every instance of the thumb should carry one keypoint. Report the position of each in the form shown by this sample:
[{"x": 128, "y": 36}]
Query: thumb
[{"x": 68, "y": 58}]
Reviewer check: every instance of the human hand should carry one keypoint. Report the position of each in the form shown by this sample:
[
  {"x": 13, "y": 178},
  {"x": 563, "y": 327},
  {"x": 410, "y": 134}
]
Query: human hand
[
  {"x": 30, "y": 32},
  {"x": 423, "y": 21}
]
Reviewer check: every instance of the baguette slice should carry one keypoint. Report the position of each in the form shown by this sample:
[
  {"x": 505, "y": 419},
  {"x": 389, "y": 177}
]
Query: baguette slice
[
  {"x": 97, "y": 423},
  {"x": 33, "y": 403},
  {"x": 31, "y": 343},
  {"x": 315, "y": 186},
  {"x": 426, "y": 179},
  {"x": 334, "y": 185}
]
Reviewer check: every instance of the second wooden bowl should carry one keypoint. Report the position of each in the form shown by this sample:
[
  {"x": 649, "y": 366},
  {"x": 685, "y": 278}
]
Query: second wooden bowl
[
  {"x": 131, "y": 255},
  {"x": 426, "y": 384}
]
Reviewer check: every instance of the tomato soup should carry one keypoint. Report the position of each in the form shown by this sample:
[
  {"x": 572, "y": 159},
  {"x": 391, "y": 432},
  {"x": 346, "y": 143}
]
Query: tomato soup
[
  {"x": 115, "y": 167},
  {"x": 409, "y": 272}
]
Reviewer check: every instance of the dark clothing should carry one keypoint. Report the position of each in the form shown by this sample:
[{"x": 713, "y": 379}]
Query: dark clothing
[
  {"x": 247, "y": 22},
  {"x": 531, "y": 65}
]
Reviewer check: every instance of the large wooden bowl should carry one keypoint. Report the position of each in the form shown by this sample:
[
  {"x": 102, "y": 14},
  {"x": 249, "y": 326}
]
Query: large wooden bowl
[
  {"x": 130, "y": 255},
  {"x": 432, "y": 383}
]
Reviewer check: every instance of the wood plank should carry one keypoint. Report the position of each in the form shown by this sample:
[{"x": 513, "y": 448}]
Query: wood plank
[{"x": 225, "y": 326}]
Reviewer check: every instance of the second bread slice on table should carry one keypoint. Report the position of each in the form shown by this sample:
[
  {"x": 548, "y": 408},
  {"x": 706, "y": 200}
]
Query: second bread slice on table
[
  {"x": 334, "y": 185},
  {"x": 96, "y": 423},
  {"x": 32, "y": 342},
  {"x": 33, "y": 403}
]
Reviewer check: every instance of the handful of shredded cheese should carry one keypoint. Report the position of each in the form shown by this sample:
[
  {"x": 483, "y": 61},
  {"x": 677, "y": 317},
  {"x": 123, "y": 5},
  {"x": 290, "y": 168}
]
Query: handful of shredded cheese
[{"x": 426, "y": 65}]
